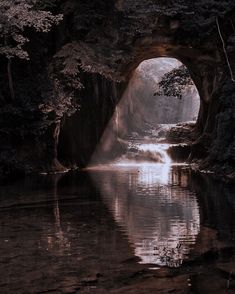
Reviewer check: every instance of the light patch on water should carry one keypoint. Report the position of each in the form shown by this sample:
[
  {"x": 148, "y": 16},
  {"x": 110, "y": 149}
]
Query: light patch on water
[
  {"x": 153, "y": 167},
  {"x": 154, "y": 208},
  {"x": 149, "y": 172},
  {"x": 150, "y": 175}
]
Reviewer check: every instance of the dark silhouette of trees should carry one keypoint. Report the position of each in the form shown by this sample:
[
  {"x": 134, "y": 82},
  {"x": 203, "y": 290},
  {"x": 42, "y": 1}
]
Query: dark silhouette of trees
[
  {"x": 15, "y": 18},
  {"x": 174, "y": 82}
]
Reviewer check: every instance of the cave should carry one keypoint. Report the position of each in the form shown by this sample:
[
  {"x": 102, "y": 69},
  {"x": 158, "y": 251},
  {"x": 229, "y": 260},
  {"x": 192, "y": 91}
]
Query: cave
[
  {"x": 68, "y": 92},
  {"x": 80, "y": 134},
  {"x": 101, "y": 95},
  {"x": 147, "y": 116},
  {"x": 117, "y": 146}
]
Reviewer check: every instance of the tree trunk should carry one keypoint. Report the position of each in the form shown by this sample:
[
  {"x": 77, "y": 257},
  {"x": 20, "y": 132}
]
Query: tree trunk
[{"x": 10, "y": 80}]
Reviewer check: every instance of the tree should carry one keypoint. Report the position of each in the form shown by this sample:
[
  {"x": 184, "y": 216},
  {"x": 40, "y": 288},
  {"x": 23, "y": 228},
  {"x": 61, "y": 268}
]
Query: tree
[
  {"x": 174, "y": 82},
  {"x": 15, "y": 17}
]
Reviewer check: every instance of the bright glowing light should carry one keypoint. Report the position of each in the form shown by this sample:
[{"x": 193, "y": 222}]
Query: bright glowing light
[
  {"x": 136, "y": 179},
  {"x": 153, "y": 174},
  {"x": 157, "y": 149},
  {"x": 161, "y": 220},
  {"x": 149, "y": 171}
]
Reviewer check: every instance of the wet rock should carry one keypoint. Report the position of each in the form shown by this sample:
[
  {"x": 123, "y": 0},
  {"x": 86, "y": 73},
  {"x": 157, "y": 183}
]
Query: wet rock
[
  {"x": 181, "y": 133},
  {"x": 179, "y": 153}
]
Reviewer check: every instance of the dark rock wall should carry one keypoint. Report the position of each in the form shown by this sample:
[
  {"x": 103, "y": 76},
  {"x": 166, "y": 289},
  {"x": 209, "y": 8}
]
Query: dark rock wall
[
  {"x": 108, "y": 40},
  {"x": 81, "y": 132}
]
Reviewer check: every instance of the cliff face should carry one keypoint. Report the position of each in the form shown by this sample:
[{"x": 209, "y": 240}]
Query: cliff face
[{"x": 99, "y": 44}]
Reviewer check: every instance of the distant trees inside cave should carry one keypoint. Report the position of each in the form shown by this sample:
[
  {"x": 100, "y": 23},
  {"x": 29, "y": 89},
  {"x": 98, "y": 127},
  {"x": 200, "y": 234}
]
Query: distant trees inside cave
[{"x": 174, "y": 82}]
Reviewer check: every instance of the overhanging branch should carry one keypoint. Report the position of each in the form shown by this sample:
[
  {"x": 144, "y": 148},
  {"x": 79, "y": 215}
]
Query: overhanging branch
[{"x": 225, "y": 52}]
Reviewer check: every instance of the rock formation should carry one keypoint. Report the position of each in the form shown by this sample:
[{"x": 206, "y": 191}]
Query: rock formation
[{"x": 98, "y": 45}]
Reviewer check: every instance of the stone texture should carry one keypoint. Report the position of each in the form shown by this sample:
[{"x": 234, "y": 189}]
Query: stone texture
[{"x": 108, "y": 40}]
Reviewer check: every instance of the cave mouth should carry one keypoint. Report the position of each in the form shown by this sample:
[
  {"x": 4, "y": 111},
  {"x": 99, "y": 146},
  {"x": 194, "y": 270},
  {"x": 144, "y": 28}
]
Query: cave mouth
[
  {"x": 162, "y": 92},
  {"x": 160, "y": 102}
]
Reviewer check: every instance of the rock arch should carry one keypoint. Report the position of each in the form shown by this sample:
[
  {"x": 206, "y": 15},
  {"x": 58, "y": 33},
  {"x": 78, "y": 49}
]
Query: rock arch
[
  {"x": 200, "y": 63},
  {"x": 105, "y": 41},
  {"x": 134, "y": 31}
]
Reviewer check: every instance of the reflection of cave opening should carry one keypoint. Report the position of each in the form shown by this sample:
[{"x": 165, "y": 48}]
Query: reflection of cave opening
[{"x": 160, "y": 95}]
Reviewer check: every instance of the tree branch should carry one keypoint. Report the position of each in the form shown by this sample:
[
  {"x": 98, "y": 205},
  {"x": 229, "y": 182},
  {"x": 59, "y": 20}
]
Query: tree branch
[
  {"x": 10, "y": 79},
  {"x": 225, "y": 52}
]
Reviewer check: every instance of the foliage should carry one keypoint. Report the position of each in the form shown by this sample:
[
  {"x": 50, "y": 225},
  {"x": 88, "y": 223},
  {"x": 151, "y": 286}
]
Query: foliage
[
  {"x": 47, "y": 4},
  {"x": 77, "y": 57},
  {"x": 174, "y": 82},
  {"x": 15, "y": 18}
]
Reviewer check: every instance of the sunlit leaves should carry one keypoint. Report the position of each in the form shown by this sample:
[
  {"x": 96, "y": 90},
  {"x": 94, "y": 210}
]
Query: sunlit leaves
[{"x": 15, "y": 18}]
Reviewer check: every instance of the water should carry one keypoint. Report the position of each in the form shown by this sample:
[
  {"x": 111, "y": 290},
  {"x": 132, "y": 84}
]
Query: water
[
  {"x": 160, "y": 219},
  {"x": 117, "y": 226},
  {"x": 144, "y": 153}
]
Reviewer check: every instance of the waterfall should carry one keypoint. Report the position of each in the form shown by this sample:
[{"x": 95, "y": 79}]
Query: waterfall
[{"x": 144, "y": 153}]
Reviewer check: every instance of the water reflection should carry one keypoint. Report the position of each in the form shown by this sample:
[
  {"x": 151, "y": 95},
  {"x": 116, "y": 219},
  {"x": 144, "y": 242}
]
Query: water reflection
[
  {"x": 60, "y": 233},
  {"x": 58, "y": 239},
  {"x": 149, "y": 175},
  {"x": 154, "y": 207}
]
